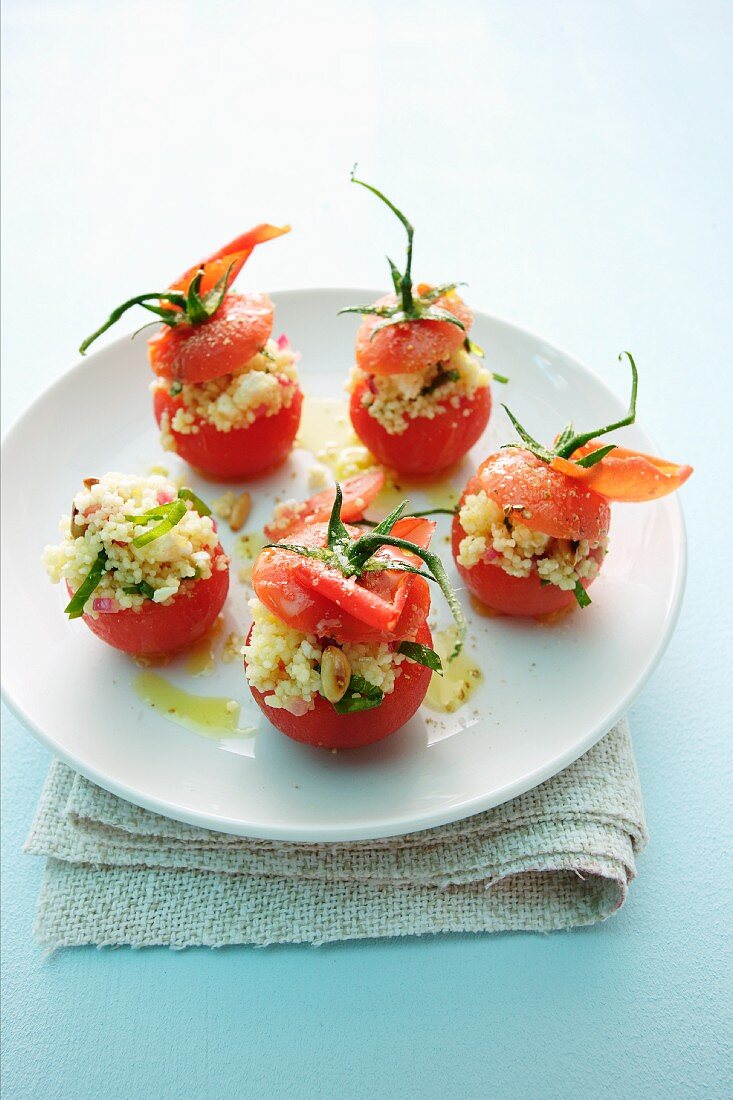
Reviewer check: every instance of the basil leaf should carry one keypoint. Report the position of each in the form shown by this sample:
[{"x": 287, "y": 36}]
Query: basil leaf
[
  {"x": 200, "y": 506},
  {"x": 359, "y": 695},
  {"x": 581, "y": 595},
  {"x": 421, "y": 655},
  {"x": 75, "y": 607}
]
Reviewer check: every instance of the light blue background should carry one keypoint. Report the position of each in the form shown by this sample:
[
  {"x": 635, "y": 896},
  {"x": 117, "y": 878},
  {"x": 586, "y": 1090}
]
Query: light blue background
[{"x": 572, "y": 162}]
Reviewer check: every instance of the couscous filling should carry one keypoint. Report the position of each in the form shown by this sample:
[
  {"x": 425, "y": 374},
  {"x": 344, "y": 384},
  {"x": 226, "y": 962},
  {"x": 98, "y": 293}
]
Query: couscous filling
[
  {"x": 109, "y": 531},
  {"x": 396, "y": 399},
  {"x": 498, "y": 536},
  {"x": 285, "y": 664},
  {"x": 261, "y": 387}
]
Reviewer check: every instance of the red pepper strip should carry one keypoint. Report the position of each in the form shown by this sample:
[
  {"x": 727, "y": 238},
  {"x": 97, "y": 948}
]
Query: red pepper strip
[
  {"x": 625, "y": 475},
  {"x": 358, "y": 493},
  {"x": 368, "y": 604},
  {"x": 237, "y": 252}
]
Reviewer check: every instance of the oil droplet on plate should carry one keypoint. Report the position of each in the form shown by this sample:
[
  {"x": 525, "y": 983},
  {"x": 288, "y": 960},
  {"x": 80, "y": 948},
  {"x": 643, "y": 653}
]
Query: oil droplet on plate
[
  {"x": 209, "y": 716},
  {"x": 325, "y": 430},
  {"x": 200, "y": 658},
  {"x": 482, "y": 609},
  {"x": 460, "y": 678}
]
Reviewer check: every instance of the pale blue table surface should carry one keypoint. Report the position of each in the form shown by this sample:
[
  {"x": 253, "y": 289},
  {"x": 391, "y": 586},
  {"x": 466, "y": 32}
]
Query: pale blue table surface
[{"x": 572, "y": 162}]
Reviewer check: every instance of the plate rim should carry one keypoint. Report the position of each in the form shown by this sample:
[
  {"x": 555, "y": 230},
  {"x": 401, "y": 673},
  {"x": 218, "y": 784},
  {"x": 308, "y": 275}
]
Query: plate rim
[{"x": 458, "y": 811}]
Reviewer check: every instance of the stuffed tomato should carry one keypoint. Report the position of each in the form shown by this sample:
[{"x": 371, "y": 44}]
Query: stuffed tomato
[
  {"x": 142, "y": 563},
  {"x": 226, "y": 394},
  {"x": 340, "y": 654},
  {"x": 531, "y": 530},
  {"x": 420, "y": 397}
]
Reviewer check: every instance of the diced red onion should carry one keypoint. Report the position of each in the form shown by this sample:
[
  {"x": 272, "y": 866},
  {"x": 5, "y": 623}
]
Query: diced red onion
[{"x": 105, "y": 606}]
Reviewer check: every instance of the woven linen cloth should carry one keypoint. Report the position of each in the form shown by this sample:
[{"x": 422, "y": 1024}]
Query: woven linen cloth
[{"x": 559, "y": 856}]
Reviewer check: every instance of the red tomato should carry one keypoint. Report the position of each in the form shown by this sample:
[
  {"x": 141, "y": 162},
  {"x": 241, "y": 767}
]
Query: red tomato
[
  {"x": 315, "y": 598},
  {"x": 154, "y": 629},
  {"x": 357, "y": 492},
  {"x": 427, "y": 445},
  {"x": 556, "y": 504},
  {"x": 413, "y": 345},
  {"x": 323, "y": 728},
  {"x": 240, "y": 453},
  {"x": 558, "y": 509},
  {"x": 239, "y": 329},
  {"x": 511, "y": 595}
]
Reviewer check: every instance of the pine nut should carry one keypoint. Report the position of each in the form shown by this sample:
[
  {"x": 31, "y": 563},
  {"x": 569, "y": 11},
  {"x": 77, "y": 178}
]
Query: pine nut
[
  {"x": 335, "y": 673},
  {"x": 240, "y": 511}
]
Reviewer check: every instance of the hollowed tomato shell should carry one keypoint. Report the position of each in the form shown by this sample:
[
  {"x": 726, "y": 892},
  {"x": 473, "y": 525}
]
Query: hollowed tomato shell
[
  {"x": 241, "y": 453},
  {"x": 154, "y": 629},
  {"x": 427, "y": 445},
  {"x": 511, "y": 595},
  {"x": 323, "y": 728}
]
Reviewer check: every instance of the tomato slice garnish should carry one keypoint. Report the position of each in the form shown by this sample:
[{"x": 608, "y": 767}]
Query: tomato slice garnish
[
  {"x": 625, "y": 475},
  {"x": 236, "y": 253},
  {"x": 315, "y": 598},
  {"x": 358, "y": 493}
]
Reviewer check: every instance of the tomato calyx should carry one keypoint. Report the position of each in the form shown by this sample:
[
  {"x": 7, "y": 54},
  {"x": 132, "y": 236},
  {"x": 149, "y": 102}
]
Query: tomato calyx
[
  {"x": 409, "y": 306},
  {"x": 569, "y": 441},
  {"x": 189, "y": 308},
  {"x": 197, "y": 295},
  {"x": 351, "y": 557},
  {"x": 613, "y": 472}
]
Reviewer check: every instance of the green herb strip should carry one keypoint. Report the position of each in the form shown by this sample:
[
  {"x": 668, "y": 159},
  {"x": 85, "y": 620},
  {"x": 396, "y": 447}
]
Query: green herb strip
[
  {"x": 581, "y": 595},
  {"x": 199, "y": 505},
  {"x": 142, "y": 588},
  {"x": 75, "y": 607},
  {"x": 174, "y": 515},
  {"x": 421, "y": 655},
  {"x": 440, "y": 380},
  {"x": 359, "y": 695}
]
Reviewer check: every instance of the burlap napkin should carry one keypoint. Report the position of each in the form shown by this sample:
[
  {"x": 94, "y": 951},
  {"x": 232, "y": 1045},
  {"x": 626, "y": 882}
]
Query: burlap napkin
[{"x": 559, "y": 856}]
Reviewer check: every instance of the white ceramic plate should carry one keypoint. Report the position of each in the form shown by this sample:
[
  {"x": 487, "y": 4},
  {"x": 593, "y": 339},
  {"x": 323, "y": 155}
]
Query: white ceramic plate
[{"x": 548, "y": 693}]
